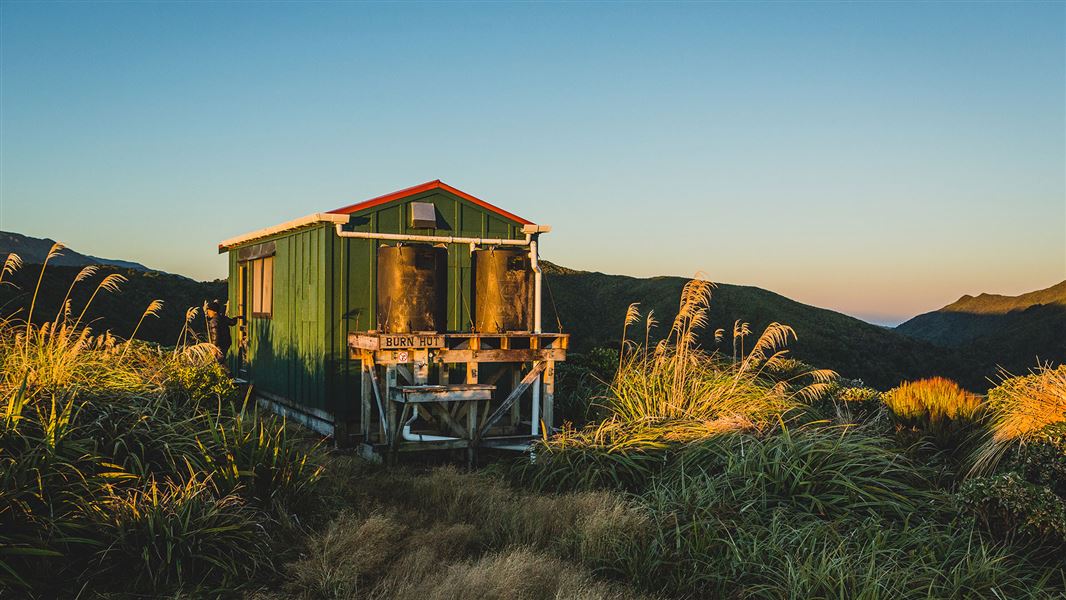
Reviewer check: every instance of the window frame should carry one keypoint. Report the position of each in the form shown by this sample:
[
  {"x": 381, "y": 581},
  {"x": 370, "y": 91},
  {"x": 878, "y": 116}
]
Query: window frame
[{"x": 262, "y": 288}]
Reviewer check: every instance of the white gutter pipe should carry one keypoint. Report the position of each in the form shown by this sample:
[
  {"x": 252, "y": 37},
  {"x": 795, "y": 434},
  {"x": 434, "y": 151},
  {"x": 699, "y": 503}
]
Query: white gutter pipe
[
  {"x": 438, "y": 239},
  {"x": 532, "y": 233},
  {"x": 421, "y": 437},
  {"x": 537, "y": 277}
]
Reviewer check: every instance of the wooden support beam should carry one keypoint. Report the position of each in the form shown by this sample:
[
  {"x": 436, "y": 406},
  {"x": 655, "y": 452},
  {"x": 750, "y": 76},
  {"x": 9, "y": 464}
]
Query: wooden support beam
[
  {"x": 471, "y": 366},
  {"x": 514, "y": 355},
  {"x": 457, "y": 392},
  {"x": 382, "y": 420},
  {"x": 391, "y": 427},
  {"x": 513, "y": 396},
  {"x": 475, "y": 433},
  {"x": 405, "y": 371},
  {"x": 365, "y": 391},
  {"x": 516, "y": 408},
  {"x": 547, "y": 397},
  {"x": 420, "y": 367},
  {"x": 441, "y": 411}
]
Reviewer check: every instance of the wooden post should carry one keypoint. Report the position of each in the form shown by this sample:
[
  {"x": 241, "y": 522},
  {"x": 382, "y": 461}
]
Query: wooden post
[
  {"x": 472, "y": 429},
  {"x": 547, "y": 398},
  {"x": 516, "y": 408},
  {"x": 420, "y": 368},
  {"x": 390, "y": 408},
  {"x": 471, "y": 367},
  {"x": 365, "y": 393}
]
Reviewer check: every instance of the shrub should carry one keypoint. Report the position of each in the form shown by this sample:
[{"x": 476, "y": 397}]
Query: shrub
[
  {"x": 816, "y": 513},
  {"x": 254, "y": 457},
  {"x": 942, "y": 419},
  {"x": 928, "y": 402},
  {"x": 580, "y": 381},
  {"x": 1008, "y": 505},
  {"x": 846, "y": 401}
]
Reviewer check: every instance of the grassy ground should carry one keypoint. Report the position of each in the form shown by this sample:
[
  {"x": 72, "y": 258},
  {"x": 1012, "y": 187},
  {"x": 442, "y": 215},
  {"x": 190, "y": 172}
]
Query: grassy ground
[{"x": 129, "y": 470}]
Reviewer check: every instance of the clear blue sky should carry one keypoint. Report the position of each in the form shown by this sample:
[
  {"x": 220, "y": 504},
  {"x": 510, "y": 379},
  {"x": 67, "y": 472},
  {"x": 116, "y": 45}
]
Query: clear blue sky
[{"x": 878, "y": 159}]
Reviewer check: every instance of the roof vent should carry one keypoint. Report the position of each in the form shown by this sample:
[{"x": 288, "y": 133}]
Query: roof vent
[{"x": 423, "y": 215}]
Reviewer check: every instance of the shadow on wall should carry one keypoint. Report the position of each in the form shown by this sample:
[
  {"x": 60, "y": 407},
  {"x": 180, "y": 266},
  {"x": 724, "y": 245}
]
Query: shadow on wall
[{"x": 294, "y": 367}]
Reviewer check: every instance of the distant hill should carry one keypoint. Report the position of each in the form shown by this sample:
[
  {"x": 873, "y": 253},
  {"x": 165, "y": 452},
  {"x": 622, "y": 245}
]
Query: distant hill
[
  {"x": 118, "y": 312},
  {"x": 967, "y": 340},
  {"x": 1009, "y": 331},
  {"x": 592, "y": 307},
  {"x": 34, "y": 250},
  {"x": 973, "y": 317}
]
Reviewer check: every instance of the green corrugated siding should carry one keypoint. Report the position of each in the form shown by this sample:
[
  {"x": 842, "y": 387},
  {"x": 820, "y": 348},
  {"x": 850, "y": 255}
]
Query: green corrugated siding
[
  {"x": 324, "y": 288},
  {"x": 285, "y": 351}
]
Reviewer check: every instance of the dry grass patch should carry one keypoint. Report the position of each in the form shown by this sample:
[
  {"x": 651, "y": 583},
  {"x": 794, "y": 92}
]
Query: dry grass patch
[
  {"x": 426, "y": 534},
  {"x": 516, "y": 574}
]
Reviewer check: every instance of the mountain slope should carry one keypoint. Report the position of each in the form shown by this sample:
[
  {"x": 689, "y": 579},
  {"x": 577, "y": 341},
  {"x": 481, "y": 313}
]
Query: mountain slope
[
  {"x": 988, "y": 304},
  {"x": 117, "y": 312},
  {"x": 592, "y": 307},
  {"x": 34, "y": 250},
  {"x": 971, "y": 318},
  {"x": 1014, "y": 332}
]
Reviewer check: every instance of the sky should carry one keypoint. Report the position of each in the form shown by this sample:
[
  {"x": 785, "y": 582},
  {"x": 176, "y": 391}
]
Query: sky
[{"x": 876, "y": 159}]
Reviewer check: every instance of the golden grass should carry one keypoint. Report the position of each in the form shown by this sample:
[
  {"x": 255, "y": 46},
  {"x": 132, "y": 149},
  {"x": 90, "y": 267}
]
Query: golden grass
[
  {"x": 677, "y": 392},
  {"x": 1023, "y": 406},
  {"x": 63, "y": 351},
  {"x": 935, "y": 398}
]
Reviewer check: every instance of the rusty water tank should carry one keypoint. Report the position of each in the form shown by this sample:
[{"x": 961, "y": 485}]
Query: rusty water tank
[
  {"x": 412, "y": 284},
  {"x": 503, "y": 290}
]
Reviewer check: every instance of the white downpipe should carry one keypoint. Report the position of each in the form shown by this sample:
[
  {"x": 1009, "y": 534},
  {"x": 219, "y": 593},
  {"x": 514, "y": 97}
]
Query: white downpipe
[
  {"x": 421, "y": 437},
  {"x": 436, "y": 239},
  {"x": 537, "y": 276},
  {"x": 531, "y": 241}
]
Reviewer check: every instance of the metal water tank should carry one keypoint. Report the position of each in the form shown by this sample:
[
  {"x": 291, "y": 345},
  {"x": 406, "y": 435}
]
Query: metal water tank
[
  {"x": 503, "y": 290},
  {"x": 412, "y": 284}
]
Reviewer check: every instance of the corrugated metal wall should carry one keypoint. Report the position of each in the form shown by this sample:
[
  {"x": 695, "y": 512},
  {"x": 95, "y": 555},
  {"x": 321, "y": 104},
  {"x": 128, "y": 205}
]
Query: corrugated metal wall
[
  {"x": 324, "y": 288},
  {"x": 285, "y": 351},
  {"x": 354, "y": 274}
]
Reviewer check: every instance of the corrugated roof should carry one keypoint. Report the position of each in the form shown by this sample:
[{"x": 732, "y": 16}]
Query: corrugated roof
[
  {"x": 436, "y": 184},
  {"x": 333, "y": 215}
]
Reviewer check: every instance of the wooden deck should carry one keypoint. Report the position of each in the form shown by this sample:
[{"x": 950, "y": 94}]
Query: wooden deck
[{"x": 432, "y": 382}]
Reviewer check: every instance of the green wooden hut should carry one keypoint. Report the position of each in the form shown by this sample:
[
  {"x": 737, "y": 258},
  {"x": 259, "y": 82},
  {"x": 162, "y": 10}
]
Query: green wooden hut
[{"x": 307, "y": 285}]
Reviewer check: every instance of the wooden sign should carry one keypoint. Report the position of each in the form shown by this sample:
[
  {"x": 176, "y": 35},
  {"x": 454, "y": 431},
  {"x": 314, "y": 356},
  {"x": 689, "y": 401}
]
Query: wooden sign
[{"x": 410, "y": 340}]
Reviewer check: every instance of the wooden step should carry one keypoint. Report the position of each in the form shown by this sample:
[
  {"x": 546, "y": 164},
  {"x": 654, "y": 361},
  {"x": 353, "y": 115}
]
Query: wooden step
[{"x": 458, "y": 392}]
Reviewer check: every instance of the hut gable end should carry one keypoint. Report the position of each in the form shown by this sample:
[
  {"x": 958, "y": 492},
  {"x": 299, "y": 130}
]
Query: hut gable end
[{"x": 427, "y": 192}]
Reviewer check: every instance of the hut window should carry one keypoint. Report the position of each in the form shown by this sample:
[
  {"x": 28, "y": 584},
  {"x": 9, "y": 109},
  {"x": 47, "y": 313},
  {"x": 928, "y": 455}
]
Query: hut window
[{"x": 263, "y": 287}]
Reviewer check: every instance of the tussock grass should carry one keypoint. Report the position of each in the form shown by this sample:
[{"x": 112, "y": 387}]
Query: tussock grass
[
  {"x": 1023, "y": 407},
  {"x": 743, "y": 502},
  {"x": 677, "y": 392},
  {"x": 441, "y": 533},
  {"x": 126, "y": 468}
]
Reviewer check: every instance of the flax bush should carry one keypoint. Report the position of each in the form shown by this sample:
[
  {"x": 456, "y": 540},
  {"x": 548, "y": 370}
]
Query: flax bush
[{"x": 112, "y": 476}]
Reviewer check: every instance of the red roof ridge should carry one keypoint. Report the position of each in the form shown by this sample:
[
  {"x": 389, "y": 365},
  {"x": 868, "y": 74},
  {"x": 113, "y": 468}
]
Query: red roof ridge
[{"x": 425, "y": 187}]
